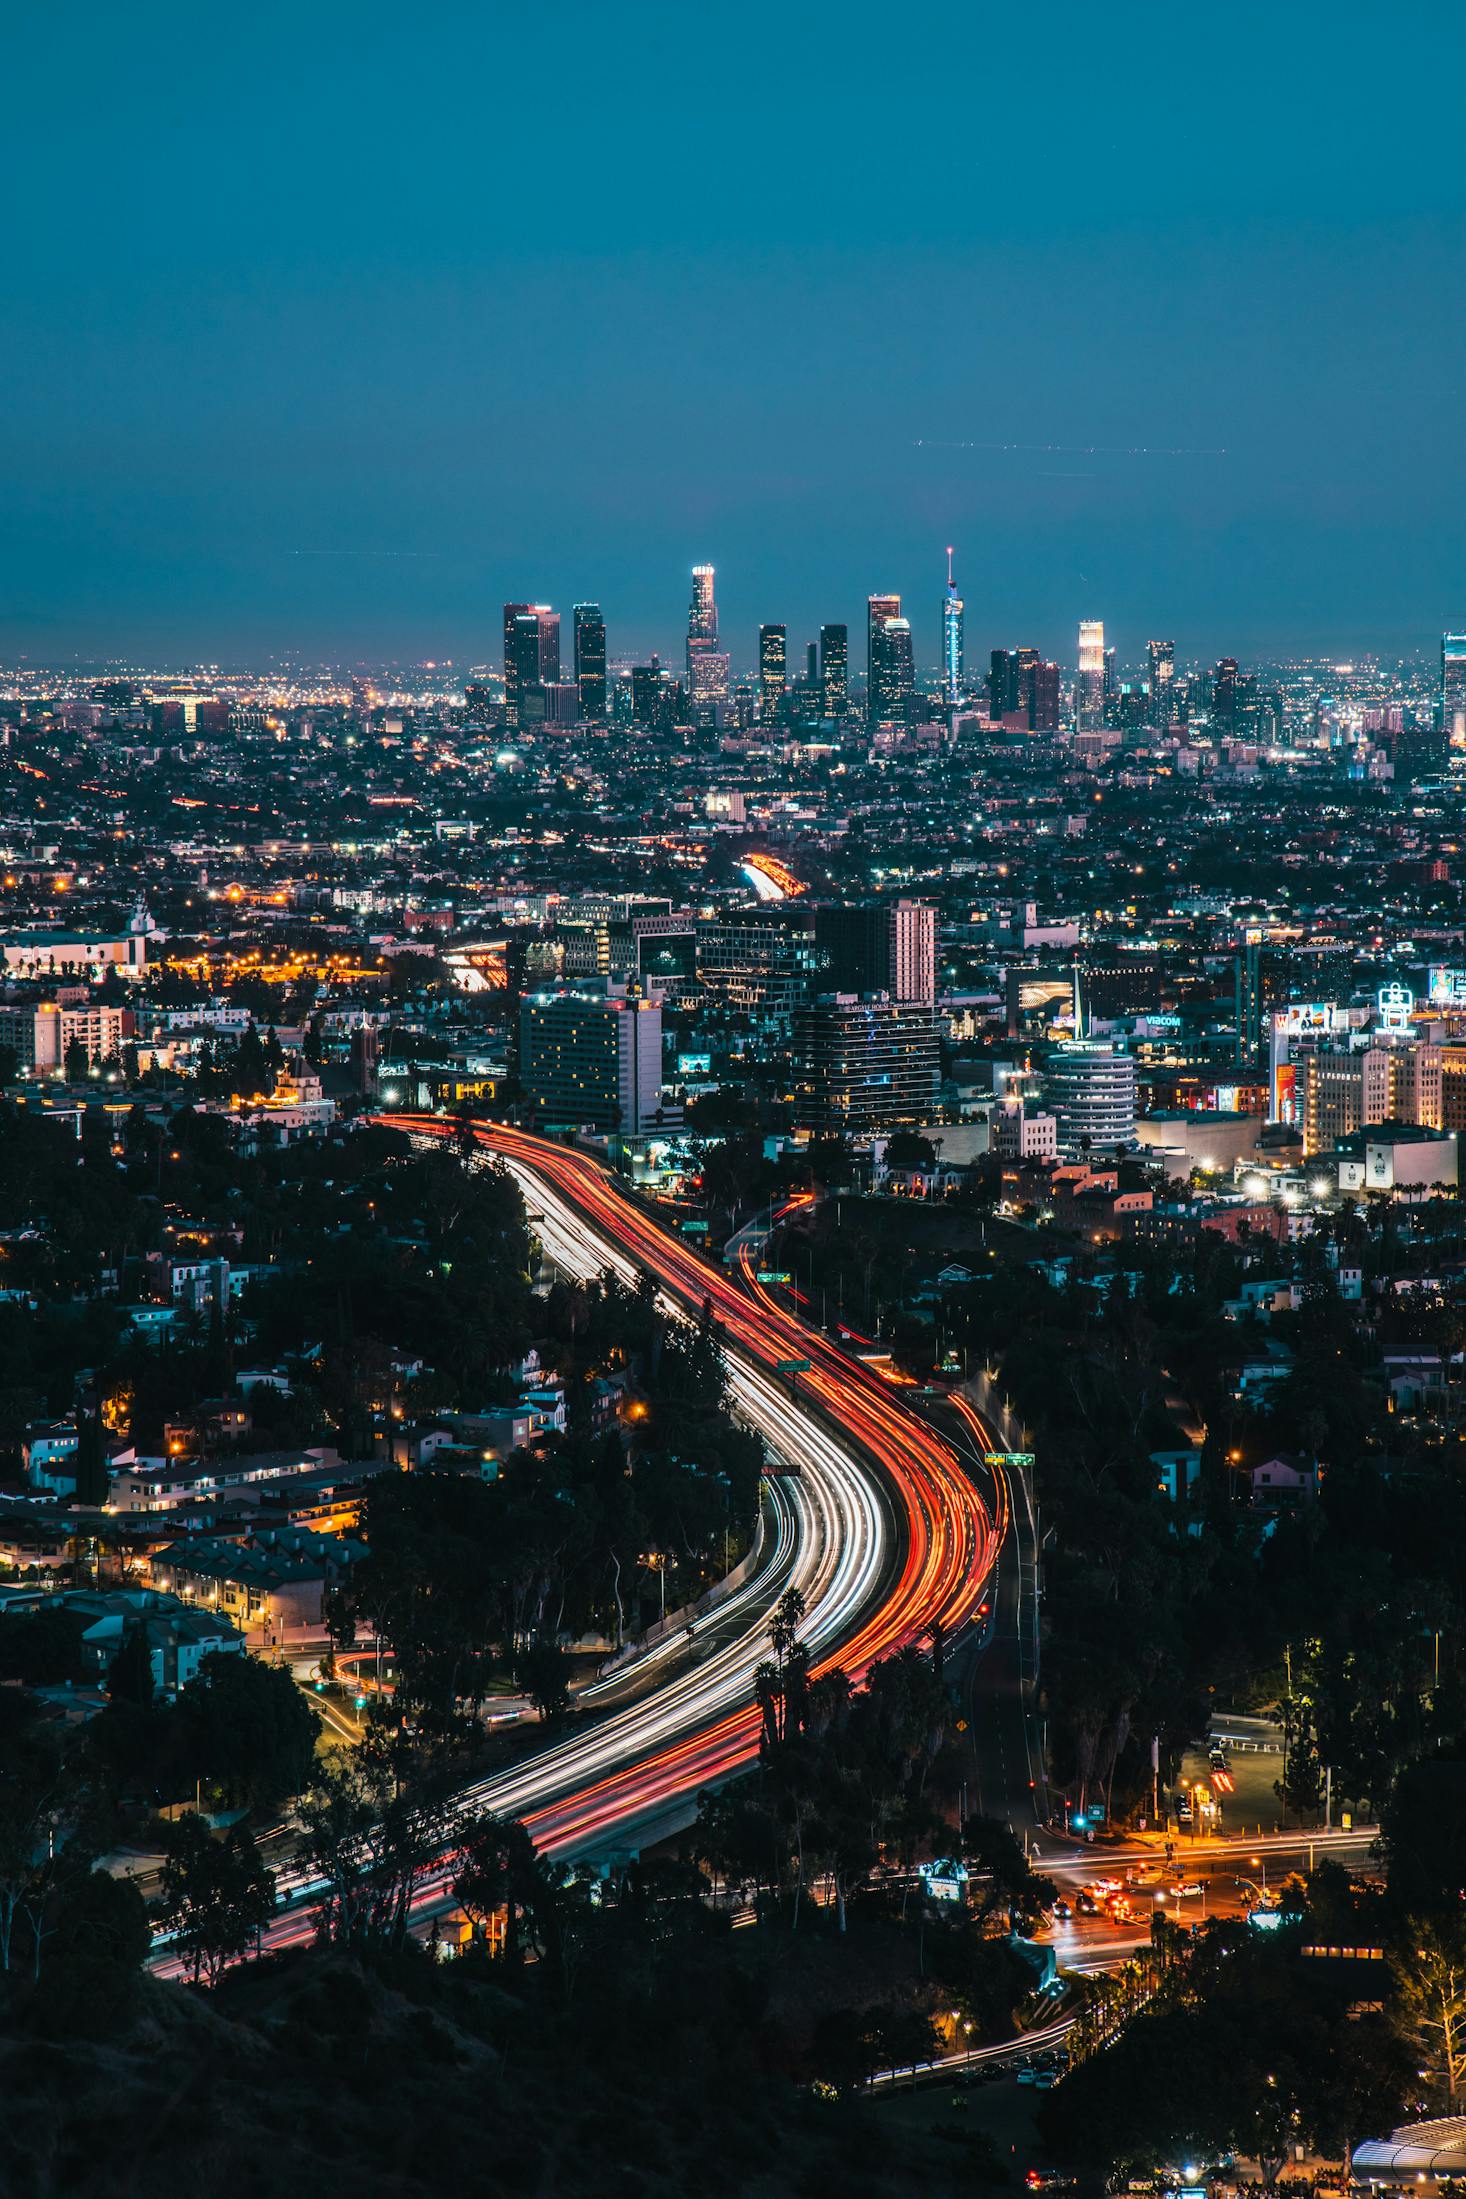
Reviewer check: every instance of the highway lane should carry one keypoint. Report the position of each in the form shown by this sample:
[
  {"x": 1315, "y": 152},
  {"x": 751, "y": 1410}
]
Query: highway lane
[
  {"x": 915, "y": 1513},
  {"x": 889, "y": 1536}
]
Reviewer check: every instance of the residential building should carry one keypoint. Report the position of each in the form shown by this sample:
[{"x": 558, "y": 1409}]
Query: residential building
[
  {"x": 865, "y": 1064},
  {"x": 590, "y": 1054}
]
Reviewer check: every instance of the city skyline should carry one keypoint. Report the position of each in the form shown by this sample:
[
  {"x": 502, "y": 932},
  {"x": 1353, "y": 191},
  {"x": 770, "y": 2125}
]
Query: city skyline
[{"x": 733, "y": 1102}]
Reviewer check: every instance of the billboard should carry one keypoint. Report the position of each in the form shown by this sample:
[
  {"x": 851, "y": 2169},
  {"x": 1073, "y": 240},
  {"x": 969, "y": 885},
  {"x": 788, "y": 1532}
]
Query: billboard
[{"x": 1445, "y": 988}]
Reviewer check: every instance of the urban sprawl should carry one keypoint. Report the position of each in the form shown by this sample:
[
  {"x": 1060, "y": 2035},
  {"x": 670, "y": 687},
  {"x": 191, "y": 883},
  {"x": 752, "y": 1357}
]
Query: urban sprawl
[{"x": 770, "y": 1343}]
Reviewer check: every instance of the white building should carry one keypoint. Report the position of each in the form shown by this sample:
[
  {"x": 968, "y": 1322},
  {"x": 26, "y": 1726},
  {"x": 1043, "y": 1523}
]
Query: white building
[
  {"x": 1092, "y": 1088},
  {"x": 1018, "y": 1135}
]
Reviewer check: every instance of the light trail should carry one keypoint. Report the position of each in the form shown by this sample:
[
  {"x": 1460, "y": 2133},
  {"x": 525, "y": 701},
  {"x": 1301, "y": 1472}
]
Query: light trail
[
  {"x": 884, "y": 1483},
  {"x": 948, "y": 1538}
]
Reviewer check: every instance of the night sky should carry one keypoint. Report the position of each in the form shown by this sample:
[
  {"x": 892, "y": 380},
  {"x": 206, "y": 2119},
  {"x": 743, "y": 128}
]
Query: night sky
[{"x": 327, "y": 328}]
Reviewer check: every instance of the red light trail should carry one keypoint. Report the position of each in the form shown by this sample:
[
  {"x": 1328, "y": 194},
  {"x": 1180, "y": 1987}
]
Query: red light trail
[{"x": 949, "y": 1539}]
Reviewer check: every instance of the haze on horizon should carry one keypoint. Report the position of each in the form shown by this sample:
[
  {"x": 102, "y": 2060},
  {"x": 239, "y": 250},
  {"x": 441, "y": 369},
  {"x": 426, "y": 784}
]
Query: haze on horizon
[{"x": 328, "y": 330}]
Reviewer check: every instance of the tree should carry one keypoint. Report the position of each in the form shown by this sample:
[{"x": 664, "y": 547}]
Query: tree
[
  {"x": 249, "y": 1072},
  {"x": 544, "y": 1674},
  {"x": 429, "y": 1581},
  {"x": 76, "y": 1063},
  {"x": 102, "y": 1938},
  {"x": 1301, "y": 1787},
  {"x": 1430, "y": 2001},
  {"x": 780, "y": 1683},
  {"x": 245, "y": 1726},
  {"x": 1422, "y": 1837},
  {"x": 1012, "y": 1880},
  {"x": 217, "y": 1894},
  {"x": 92, "y": 1477},
  {"x": 497, "y": 1869},
  {"x": 41, "y": 1808},
  {"x": 130, "y": 1673},
  {"x": 831, "y": 1160},
  {"x": 373, "y": 1822},
  {"x": 43, "y": 1648}
]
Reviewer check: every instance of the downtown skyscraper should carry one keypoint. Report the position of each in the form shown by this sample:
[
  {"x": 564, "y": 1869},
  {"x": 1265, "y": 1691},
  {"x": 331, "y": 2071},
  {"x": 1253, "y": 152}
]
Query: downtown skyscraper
[
  {"x": 707, "y": 665},
  {"x": 531, "y": 653},
  {"x": 1089, "y": 688},
  {"x": 889, "y": 668},
  {"x": 590, "y": 661},
  {"x": 952, "y": 668},
  {"x": 1453, "y": 691},
  {"x": 834, "y": 671},
  {"x": 1161, "y": 660},
  {"x": 773, "y": 672}
]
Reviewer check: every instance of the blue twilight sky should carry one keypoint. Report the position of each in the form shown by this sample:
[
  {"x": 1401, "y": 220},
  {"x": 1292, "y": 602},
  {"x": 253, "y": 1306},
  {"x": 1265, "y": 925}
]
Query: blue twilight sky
[{"x": 323, "y": 328}]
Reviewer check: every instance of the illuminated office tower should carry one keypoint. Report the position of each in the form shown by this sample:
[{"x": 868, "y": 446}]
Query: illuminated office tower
[
  {"x": 1089, "y": 691},
  {"x": 708, "y": 686},
  {"x": 1453, "y": 691},
  {"x": 877, "y": 610},
  {"x": 894, "y": 678},
  {"x": 512, "y": 611},
  {"x": 1224, "y": 695},
  {"x": 707, "y": 667},
  {"x": 890, "y": 673},
  {"x": 834, "y": 670},
  {"x": 1004, "y": 690},
  {"x": 702, "y": 613},
  {"x": 1043, "y": 696},
  {"x": 590, "y": 661},
  {"x": 951, "y": 639},
  {"x": 773, "y": 670},
  {"x": 531, "y": 652},
  {"x": 1162, "y": 659}
]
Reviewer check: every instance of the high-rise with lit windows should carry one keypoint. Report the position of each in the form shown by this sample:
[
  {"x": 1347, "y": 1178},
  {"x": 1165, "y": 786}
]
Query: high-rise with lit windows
[
  {"x": 590, "y": 661},
  {"x": 834, "y": 670},
  {"x": 773, "y": 671},
  {"x": 1089, "y": 690},
  {"x": 531, "y": 653},
  {"x": 952, "y": 613},
  {"x": 890, "y": 669},
  {"x": 1453, "y": 691},
  {"x": 1161, "y": 657}
]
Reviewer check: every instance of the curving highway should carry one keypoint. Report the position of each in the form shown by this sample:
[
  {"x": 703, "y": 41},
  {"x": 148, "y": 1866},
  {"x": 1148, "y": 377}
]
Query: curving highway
[
  {"x": 892, "y": 1535},
  {"x": 875, "y": 1521}
]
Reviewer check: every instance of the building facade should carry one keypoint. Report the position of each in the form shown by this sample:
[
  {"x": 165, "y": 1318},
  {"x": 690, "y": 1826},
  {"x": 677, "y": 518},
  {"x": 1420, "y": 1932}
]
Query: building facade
[
  {"x": 863, "y": 1065},
  {"x": 590, "y": 662},
  {"x": 1091, "y": 1089},
  {"x": 590, "y": 1055}
]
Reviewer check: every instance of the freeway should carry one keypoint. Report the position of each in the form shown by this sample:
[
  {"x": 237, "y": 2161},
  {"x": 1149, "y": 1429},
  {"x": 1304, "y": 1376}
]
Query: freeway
[
  {"x": 894, "y": 1537},
  {"x": 876, "y": 1522}
]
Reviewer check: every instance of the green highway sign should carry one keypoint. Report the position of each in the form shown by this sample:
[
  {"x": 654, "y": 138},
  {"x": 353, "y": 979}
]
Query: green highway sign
[
  {"x": 792, "y": 1366},
  {"x": 773, "y": 1275},
  {"x": 1007, "y": 1458}
]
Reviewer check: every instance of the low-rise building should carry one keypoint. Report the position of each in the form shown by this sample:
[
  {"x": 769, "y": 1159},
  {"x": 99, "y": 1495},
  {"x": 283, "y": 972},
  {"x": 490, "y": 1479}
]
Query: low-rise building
[{"x": 273, "y": 1581}]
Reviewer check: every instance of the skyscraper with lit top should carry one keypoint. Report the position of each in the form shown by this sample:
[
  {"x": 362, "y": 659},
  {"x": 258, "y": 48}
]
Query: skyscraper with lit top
[{"x": 952, "y": 609}]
